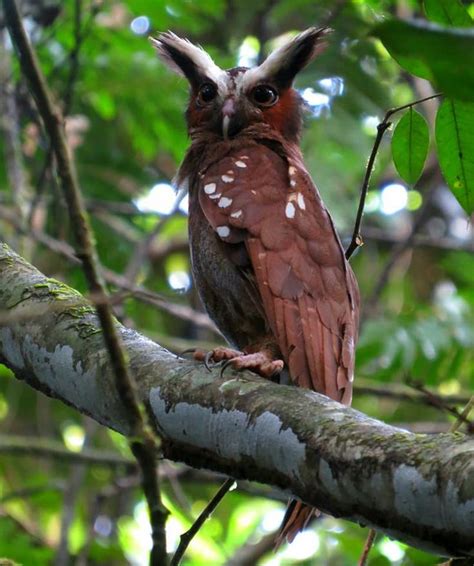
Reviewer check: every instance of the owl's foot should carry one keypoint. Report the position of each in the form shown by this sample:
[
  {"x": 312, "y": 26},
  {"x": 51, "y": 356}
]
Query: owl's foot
[
  {"x": 260, "y": 363},
  {"x": 220, "y": 354}
]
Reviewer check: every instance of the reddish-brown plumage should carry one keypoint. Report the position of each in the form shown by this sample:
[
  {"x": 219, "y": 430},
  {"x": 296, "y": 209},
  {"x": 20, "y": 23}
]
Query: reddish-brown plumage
[
  {"x": 266, "y": 258},
  {"x": 284, "y": 117}
]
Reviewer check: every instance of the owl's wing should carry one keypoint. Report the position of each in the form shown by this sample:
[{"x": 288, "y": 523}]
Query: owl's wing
[{"x": 308, "y": 290}]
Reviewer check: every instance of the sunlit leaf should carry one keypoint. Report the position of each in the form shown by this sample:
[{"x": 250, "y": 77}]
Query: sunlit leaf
[
  {"x": 455, "y": 142},
  {"x": 449, "y": 12},
  {"x": 432, "y": 52},
  {"x": 410, "y": 144}
]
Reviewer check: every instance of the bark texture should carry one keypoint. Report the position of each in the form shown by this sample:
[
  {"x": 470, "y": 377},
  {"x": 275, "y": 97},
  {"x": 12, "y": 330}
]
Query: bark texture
[{"x": 416, "y": 488}]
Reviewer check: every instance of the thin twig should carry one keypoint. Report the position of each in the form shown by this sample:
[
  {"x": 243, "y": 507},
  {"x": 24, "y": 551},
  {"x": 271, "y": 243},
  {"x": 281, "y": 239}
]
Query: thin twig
[
  {"x": 141, "y": 252},
  {"x": 384, "y": 125},
  {"x": 142, "y": 441},
  {"x": 188, "y": 536},
  {"x": 394, "y": 391},
  {"x": 47, "y": 448},
  {"x": 463, "y": 417},
  {"x": 77, "y": 476},
  {"x": 138, "y": 292},
  {"x": 437, "y": 401},
  {"x": 369, "y": 541}
]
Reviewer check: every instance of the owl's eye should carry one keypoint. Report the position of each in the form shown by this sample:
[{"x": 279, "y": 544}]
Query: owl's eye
[
  {"x": 264, "y": 95},
  {"x": 206, "y": 94}
]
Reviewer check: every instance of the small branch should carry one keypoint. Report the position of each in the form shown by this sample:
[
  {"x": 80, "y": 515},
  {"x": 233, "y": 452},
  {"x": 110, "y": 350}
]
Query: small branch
[
  {"x": 438, "y": 402},
  {"x": 367, "y": 547},
  {"x": 46, "y": 448},
  {"x": 357, "y": 240},
  {"x": 251, "y": 552},
  {"x": 77, "y": 476},
  {"x": 463, "y": 417},
  {"x": 140, "y": 255},
  {"x": 188, "y": 536},
  {"x": 138, "y": 292},
  {"x": 142, "y": 443},
  {"x": 405, "y": 393}
]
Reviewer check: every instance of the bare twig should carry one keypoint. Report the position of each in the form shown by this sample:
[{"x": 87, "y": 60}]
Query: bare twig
[
  {"x": 141, "y": 252},
  {"x": 384, "y": 125},
  {"x": 137, "y": 291},
  {"x": 368, "y": 545},
  {"x": 32, "y": 491},
  {"x": 250, "y": 553},
  {"x": 463, "y": 417},
  {"x": 402, "y": 393},
  {"x": 420, "y": 240},
  {"x": 188, "y": 536},
  {"x": 77, "y": 475},
  {"x": 142, "y": 441},
  {"x": 46, "y": 448},
  {"x": 9, "y": 123},
  {"x": 440, "y": 403}
]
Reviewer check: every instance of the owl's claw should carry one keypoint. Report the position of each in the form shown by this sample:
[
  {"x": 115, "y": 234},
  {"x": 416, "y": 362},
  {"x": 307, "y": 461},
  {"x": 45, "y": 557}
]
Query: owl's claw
[
  {"x": 208, "y": 359},
  {"x": 261, "y": 362},
  {"x": 216, "y": 356},
  {"x": 184, "y": 352}
]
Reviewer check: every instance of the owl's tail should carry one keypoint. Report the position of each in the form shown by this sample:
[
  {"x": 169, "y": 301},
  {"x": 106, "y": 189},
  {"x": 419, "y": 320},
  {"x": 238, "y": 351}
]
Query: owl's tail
[{"x": 296, "y": 519}]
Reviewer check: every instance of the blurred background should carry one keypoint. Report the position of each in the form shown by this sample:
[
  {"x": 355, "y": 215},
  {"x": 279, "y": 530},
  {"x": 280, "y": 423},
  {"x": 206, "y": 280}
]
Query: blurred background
[{"x": 126, "y": 129}]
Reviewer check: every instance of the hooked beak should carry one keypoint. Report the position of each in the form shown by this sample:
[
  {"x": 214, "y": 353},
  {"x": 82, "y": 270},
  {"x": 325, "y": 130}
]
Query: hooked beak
[{"x": 228, "y": 110}]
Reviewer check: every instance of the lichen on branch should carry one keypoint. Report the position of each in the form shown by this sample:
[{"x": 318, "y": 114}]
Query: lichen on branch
[{"x": 416, "y": 488}]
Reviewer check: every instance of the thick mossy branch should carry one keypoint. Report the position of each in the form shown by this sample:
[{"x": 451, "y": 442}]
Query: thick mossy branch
[{"x": 417, "y": 488}]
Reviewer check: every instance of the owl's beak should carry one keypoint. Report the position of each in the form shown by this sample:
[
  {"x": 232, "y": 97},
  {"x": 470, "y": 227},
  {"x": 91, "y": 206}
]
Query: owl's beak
[{"x": 228, "y": 111}]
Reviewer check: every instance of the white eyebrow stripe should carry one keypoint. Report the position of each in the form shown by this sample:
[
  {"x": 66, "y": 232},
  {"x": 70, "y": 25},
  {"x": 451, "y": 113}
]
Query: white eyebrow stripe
[{"x": 201, "y": 59}]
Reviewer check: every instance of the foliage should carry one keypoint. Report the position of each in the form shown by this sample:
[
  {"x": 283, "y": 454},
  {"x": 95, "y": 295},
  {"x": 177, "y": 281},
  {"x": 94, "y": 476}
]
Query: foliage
[{"x": 126, "y": 129}]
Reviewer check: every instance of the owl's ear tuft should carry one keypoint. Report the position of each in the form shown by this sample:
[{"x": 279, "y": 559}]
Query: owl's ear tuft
[
  {"x": 186, "y": 59},
  {"x": 283, "y": 64}
]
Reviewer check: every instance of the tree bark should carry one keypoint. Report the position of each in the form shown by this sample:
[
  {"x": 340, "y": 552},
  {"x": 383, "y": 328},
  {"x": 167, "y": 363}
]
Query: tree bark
[{"x": 416, "y": 488}]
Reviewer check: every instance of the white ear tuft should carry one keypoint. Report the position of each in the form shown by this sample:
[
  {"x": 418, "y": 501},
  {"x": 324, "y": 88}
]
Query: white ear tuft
[
  {"x": 284, "y": 63},
  {"x": 187, "y": 59}
]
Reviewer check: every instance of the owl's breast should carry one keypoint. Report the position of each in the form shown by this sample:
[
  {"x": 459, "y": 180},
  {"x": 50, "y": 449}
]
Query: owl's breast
[{"x": 223, "y": 278}]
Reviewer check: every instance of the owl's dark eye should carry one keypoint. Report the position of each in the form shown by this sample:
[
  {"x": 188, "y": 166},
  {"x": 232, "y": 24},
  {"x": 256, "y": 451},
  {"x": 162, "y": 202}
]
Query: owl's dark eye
[
  {"x": 206, "y": 94},
  {"x": 264, "y": 95}
]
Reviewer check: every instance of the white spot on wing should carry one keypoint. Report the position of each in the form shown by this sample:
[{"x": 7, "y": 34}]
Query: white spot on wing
[
  {"x": 292, "y": 182},
  {"x": 291, "y": 170},
  {"x": 224, "y": 202},
  {"x": 236, "y": 214},
  {"x": 227, "y": 178},
  {"x": 209, "y": 188},
  {"x": 240, "y": 164},
  {"x": 301, "y": 202},
  {"x": 290, "y": 210},
  {"x": 244, "y": 157},
  {"x": 223, "y": 231},
  {"x": 217, "y": 195}
]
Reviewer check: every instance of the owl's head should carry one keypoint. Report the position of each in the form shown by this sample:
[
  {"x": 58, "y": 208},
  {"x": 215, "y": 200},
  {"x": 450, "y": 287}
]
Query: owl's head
[{"x": 225, "y": 102}]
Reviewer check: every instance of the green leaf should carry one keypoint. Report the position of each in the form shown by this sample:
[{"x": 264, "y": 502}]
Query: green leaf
[
  {"x": 449, "y": 12},
  {"x": 410, "y": 144},
  {"x": 455, "y": 141},
  {"x": 433, "y": 52}
]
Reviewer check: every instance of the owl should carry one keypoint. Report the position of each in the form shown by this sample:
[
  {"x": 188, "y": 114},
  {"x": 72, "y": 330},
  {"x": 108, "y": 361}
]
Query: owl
[{"x": 266, "y": 259}]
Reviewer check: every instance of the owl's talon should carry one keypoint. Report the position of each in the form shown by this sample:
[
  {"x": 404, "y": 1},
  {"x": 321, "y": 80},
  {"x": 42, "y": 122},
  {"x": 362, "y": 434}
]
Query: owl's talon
[
  {"x": 208, "y": 359},
  {"x": 225, "y": 365},
  {"x": 187, "y": 351}
]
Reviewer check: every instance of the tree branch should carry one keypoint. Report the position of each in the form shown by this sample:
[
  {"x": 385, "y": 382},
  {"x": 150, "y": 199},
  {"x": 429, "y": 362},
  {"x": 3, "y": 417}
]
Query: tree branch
[{"x": 416, "y": 488}]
